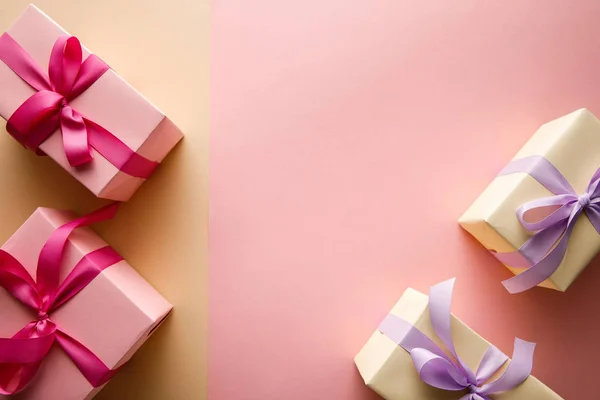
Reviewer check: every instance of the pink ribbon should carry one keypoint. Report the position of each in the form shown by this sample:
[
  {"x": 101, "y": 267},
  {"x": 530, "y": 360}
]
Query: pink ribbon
[
  {"x": 48, "y": 109},
  {"x": 22, "y": 355}
]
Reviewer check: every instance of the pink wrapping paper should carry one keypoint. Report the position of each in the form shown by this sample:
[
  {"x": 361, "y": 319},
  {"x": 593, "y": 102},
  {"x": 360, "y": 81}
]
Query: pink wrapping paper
[
  {"x": 113, "y": 316},
  {"x": 110, "y": 102}
]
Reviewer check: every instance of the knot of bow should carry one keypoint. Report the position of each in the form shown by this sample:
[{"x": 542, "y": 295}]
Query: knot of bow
[
  {"x": 438, "y": 369},
  {"x": 552, "y": 220},
  {"x": 22, "y": 354},
  {"x": 49, "y": 108}
]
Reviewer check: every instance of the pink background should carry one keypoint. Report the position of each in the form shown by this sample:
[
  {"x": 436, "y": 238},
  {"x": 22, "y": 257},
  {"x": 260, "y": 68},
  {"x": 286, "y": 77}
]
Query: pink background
[{"x": 347, "y": 138}]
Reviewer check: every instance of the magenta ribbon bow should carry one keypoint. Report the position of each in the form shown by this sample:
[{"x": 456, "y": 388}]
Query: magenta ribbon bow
[
  {"x": 543, "y": 252},
  {"x": 439, "y": 370},
  {"x": 22, "y": 355},
  {"x": 49, "y": 108}
]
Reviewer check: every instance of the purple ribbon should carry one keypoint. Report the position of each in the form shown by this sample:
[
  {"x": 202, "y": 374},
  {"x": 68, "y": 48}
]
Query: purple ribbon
[
  {"x": 439, "y": 370},
  {"x": 543, "y": 252}
]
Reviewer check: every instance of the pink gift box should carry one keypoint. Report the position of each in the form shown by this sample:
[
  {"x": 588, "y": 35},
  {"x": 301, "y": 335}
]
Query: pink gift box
[
  {"x": 112, "y": 316},
  {"x": 110, "y": 102}
]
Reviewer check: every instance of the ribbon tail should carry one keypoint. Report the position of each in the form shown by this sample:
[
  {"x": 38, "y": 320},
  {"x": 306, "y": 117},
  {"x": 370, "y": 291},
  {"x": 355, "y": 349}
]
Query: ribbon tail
[
  {"x": 94, "y": 370},
  {"x": 14, "y": 378},
  {"x": 75, "y": 137},
  {"x": 440, "y": 299},
  {"x": 517, "y": 371},
  {"x": 593, "y": 213},
  {"x": 538, "y": 246},
  {"x": 17, "y": 350},
  {"x": 534, "y": 249},
  {"x": 22, "y": 355},
  {"x": 544, "y": 269}
]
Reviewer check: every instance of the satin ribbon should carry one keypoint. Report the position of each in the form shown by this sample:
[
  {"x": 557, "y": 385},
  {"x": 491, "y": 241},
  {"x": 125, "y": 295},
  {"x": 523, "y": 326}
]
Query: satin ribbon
[
  {"x": 49, "y": 108},
  {"x": 438, "y": 369},
  {"x": 22, "y": 355},
  {"x": 543, "y": 252}
]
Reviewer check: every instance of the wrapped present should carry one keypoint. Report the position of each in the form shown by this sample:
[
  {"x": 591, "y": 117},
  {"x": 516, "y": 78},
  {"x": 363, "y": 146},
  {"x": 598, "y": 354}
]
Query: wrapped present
[
  {"x": 62, "y": 101},
  {"x": 421, "y": 351},
  {"x": 541, "y": 216},
  {"x": 73, "y": 311}
]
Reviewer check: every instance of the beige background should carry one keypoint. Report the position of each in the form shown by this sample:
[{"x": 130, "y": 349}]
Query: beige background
[{"x": 161, "y": 48}]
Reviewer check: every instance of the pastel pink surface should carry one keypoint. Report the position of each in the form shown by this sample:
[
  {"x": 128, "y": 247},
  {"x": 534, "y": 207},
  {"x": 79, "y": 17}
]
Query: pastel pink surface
[
  {"x": 347, "y": 139},
  {"x": 113, "y": 316},
  {"x": 110, "y": 102}
]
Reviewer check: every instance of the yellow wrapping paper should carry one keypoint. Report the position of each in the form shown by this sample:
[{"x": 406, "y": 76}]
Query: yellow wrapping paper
[
  {"x": 572, "y": 144},
  {"x": 388, "y": 369}
]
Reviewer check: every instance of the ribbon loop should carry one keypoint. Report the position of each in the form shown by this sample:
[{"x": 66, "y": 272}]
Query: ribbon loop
[
  {"x": 439, "y": 370},
  {"x": 534, "y": 217},
  {"x": 21, "y": 355},
  {"x": 65, "y": 62},
  {"x": 35, "y": 119},
  {"x": 15, "y": 279},
  {"x": 543, "y": 252},
  {"x": 492, "y": 361},
  {"x": 48, "y": 109},
  {"x": 517, "y": 371}
]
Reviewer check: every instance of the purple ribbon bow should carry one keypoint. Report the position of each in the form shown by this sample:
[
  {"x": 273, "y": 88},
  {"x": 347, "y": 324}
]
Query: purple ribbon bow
[
  {"x": 439, "y": 370},
  {"x": 543, "y": 253}
]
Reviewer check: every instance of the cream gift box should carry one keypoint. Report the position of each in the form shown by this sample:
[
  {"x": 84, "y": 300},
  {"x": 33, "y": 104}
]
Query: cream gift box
[
  {"x": 571, "y": 143},
  {"x": 109, "y": 102},
  {"x": 112, "y": 316},
  {"x": 388, "y": 369}
]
